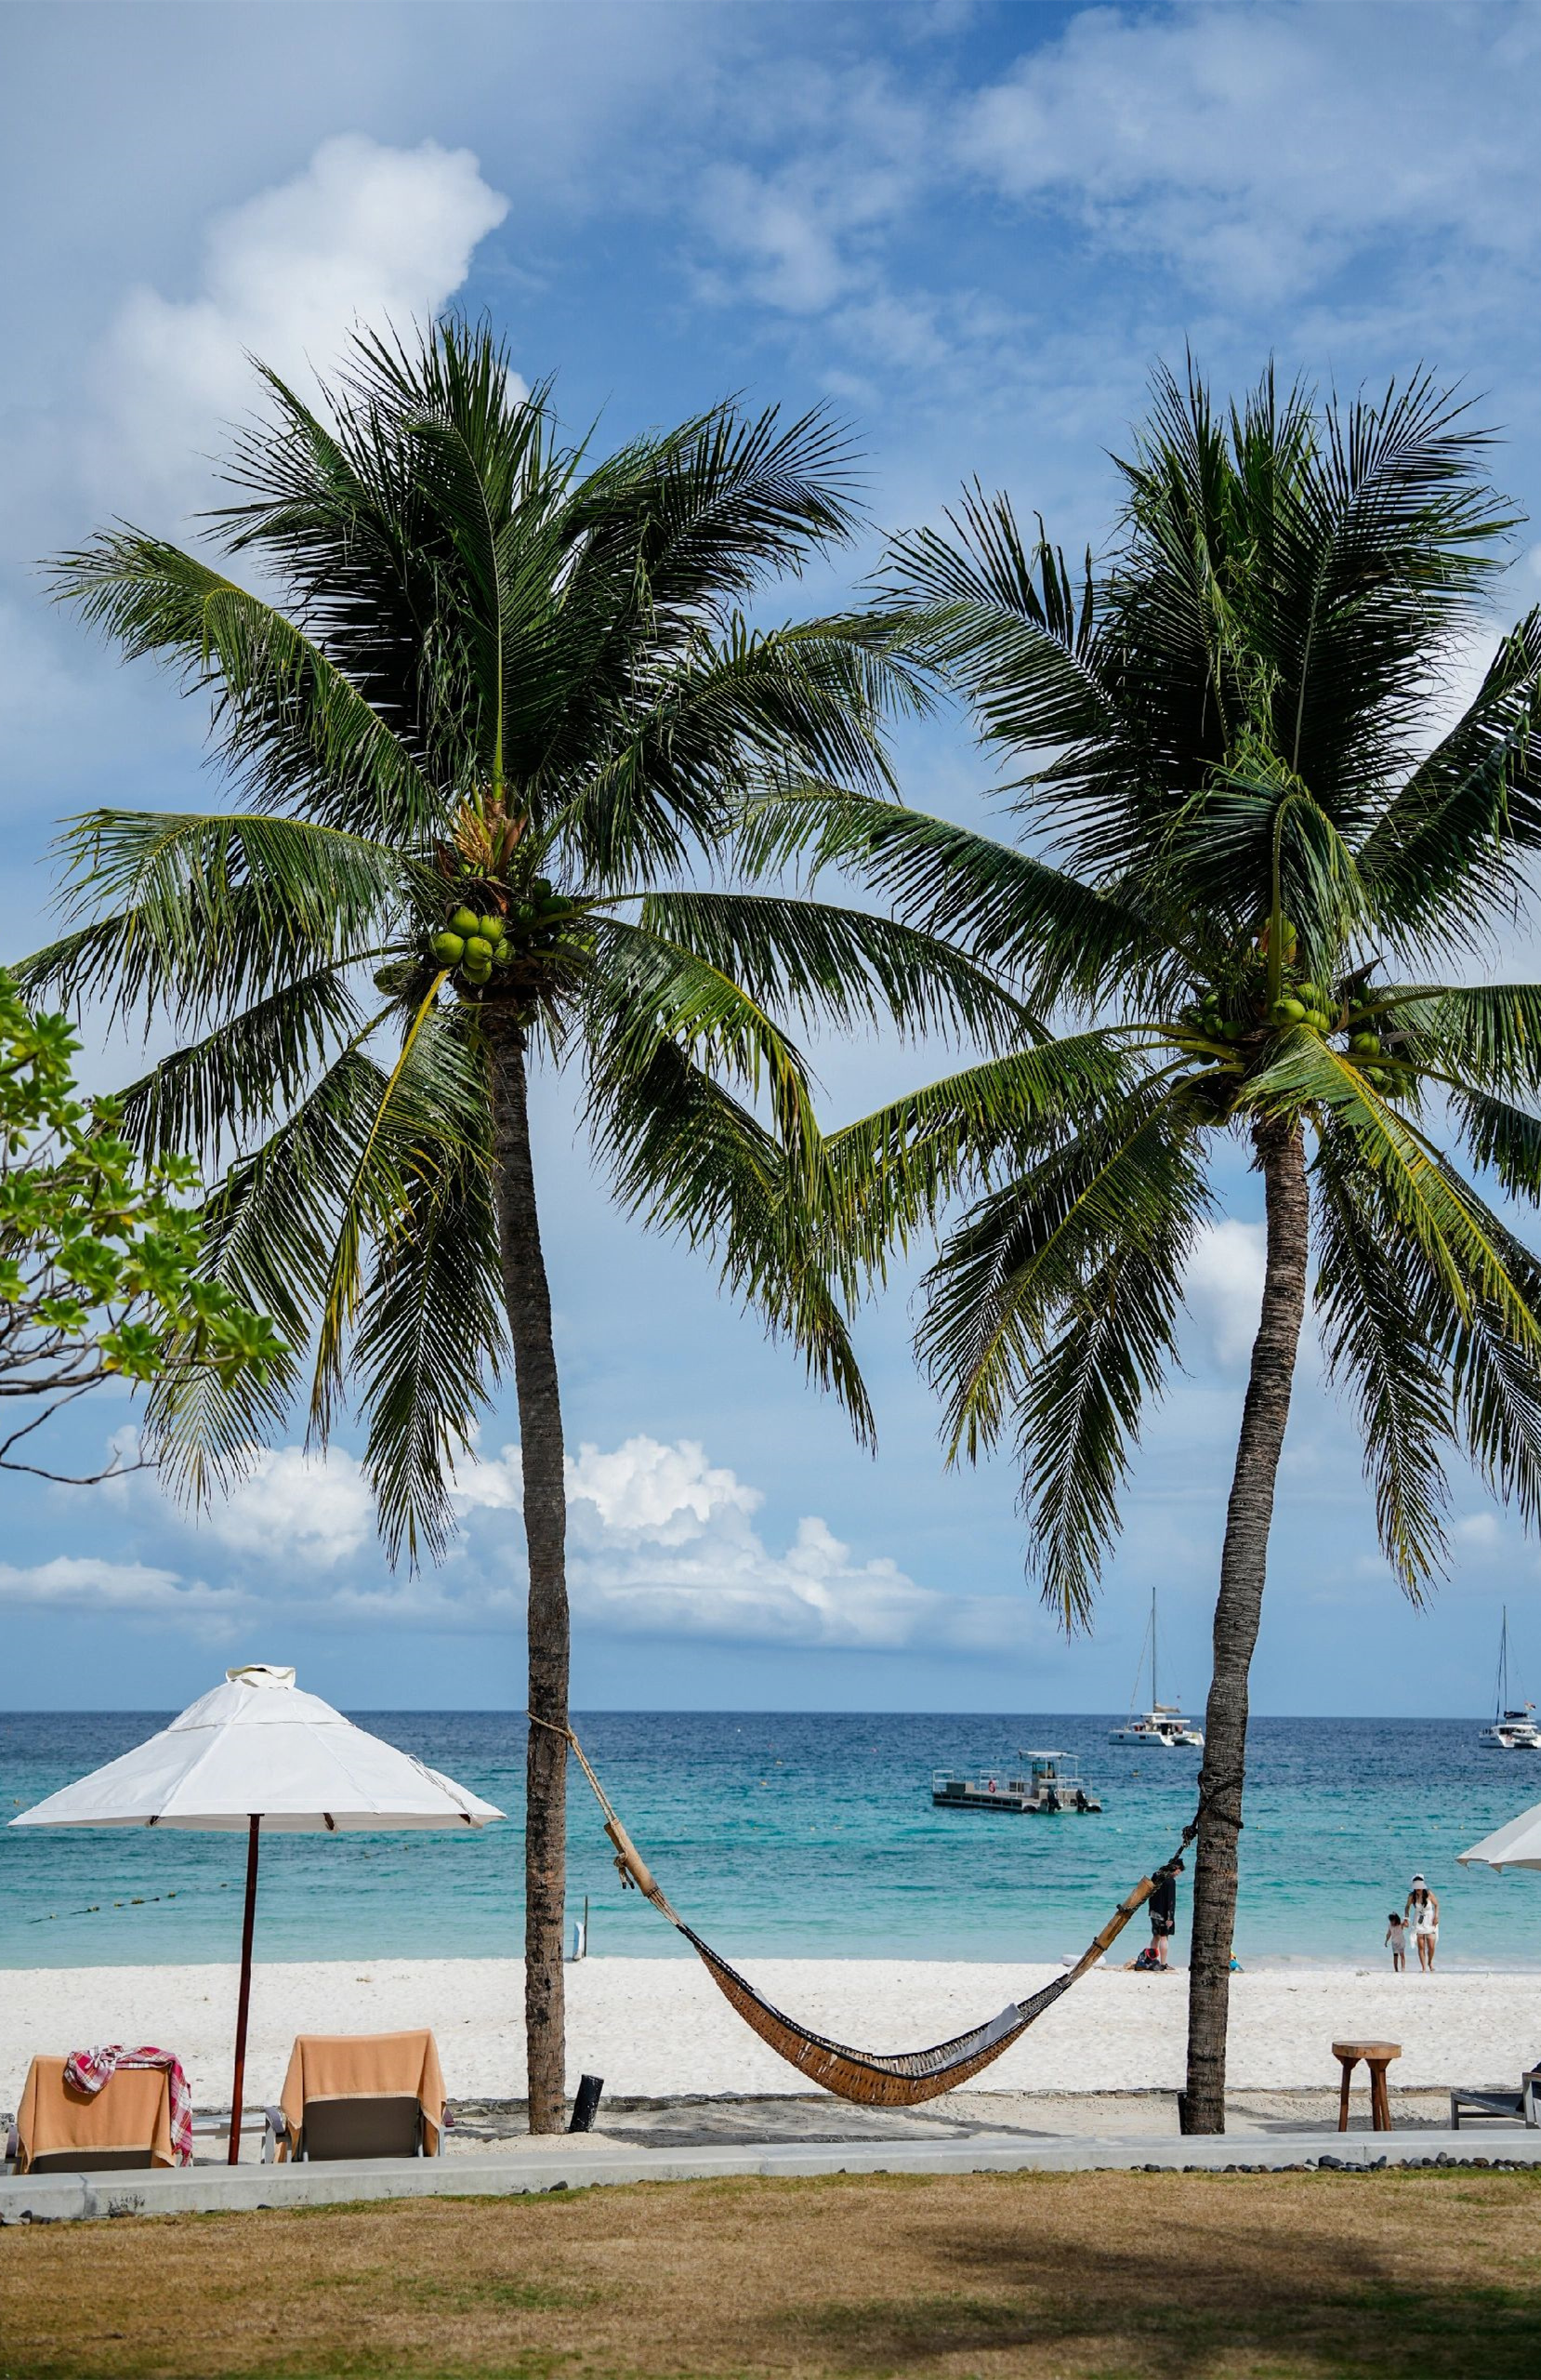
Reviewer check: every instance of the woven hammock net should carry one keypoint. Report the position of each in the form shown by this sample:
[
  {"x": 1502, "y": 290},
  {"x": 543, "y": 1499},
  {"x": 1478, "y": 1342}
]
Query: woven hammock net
[{"x": 903, "y": 2079}]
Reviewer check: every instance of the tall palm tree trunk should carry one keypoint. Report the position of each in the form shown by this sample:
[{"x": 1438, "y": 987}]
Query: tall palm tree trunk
[
  {"x": 528, "y": 1297},
  {"x": 1238, "y": 1609}
]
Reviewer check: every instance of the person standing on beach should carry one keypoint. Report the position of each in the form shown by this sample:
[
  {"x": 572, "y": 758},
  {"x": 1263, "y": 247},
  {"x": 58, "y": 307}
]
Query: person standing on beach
[
  {"x": 1163, "y": 1911},
  {"x": 1396, "y": 1933},
  {"x": 1423, "y": 1914}
]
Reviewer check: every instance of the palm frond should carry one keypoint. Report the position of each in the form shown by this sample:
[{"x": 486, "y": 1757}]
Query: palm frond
[
  {"x": 663, "y": 774},
  {"x": 429, "y": 1341},
  {"x": 1081, "y": 1408},
  {"x": 1039, "y": 927},
  {"x": 1487, "y": 1035},
  {"x": 296, "y": 728},
  {"x": 1020, "y": 1264},
  {"x": 226, "y": 1085},
  {"x": 1377, "y": 1342},
  {"x": 686, "y": 1158},
  {"x": 1443, "y": 862},
  {"x": 1469, "y": 1249},
  {"x": 890, "y": 1173},
  {"x": 847, "y": 967},
  {"x": 207, "y": 910},
  {"x": 645, "y": 992},
  {"x": 268, "y": 1239},
  {"x": 1503, "y": 1138}
]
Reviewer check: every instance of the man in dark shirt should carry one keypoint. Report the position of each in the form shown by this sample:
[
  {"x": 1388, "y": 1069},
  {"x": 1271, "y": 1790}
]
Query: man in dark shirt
[{"x": 1163, "y": 1911}]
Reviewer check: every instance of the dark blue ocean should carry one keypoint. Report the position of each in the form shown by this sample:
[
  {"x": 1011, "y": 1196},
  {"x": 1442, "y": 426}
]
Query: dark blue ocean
[{"x": 797, "y": 1834}]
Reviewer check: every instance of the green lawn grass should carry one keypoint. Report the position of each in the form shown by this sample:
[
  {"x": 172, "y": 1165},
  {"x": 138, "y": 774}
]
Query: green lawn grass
[{"x": 1048, "y": 2276}]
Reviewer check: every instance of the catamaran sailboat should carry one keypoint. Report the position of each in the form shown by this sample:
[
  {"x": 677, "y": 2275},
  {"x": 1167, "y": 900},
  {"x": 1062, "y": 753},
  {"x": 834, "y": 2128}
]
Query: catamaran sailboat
[
  {"x": 1163, "y": 1726},
  {"x": 1513, "y": 1727}
]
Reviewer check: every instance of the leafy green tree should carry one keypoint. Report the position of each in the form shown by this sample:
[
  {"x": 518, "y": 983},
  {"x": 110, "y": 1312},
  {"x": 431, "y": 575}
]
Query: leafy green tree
[
  {"x": 99, "y": 1253},
  {"x": 493, "y": 705},
  {"x": 1250, "y": 853}
]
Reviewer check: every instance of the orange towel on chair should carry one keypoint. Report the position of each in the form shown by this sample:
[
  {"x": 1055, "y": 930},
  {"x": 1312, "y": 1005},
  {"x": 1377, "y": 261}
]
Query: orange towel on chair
[
  {"x": 131, "y": 2112},
  {"x": 366, "y": 2066}
]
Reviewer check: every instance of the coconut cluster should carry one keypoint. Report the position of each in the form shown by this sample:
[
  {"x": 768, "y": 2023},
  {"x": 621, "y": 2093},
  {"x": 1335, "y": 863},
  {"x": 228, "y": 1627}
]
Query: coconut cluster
[
  {"x": 478, "y": 943},
  {"x": 1300, "y": 1002}
]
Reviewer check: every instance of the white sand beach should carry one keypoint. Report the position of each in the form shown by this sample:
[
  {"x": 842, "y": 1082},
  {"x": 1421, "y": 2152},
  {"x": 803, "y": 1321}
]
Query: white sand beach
[{"x": 658, "y": 2027}]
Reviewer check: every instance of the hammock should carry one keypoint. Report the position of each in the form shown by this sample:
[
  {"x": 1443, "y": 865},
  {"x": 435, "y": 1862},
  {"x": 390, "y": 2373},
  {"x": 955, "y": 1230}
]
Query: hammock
[{"x": 905, "y": 2078}]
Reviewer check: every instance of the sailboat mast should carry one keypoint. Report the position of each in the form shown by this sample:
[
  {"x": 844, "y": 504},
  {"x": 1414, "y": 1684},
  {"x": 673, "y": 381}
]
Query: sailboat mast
[
  {"x": 1155, "y": 1705},
  {"x": 1503, "y": 1666}
]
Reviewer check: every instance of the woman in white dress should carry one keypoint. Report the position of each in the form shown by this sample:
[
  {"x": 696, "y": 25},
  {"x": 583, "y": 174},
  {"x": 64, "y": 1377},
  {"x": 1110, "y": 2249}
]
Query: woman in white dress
[{"x": 1422, "y": 1914}]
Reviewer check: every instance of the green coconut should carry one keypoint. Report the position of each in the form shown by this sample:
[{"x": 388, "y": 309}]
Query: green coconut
[
  {"x": 465, "y": 921},
  {"x": 1287, "y": 1011},
  {"x": 448, "y": 947},
  {"x": 479, "y": 951}
]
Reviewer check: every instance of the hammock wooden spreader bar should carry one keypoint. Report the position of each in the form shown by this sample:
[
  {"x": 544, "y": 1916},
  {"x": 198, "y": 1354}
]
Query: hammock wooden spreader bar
[{"x": 900, "y": 2080}]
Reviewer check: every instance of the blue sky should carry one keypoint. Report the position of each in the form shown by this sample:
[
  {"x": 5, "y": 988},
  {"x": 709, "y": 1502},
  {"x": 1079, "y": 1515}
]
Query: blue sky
[{"x": 973, "y": 229}]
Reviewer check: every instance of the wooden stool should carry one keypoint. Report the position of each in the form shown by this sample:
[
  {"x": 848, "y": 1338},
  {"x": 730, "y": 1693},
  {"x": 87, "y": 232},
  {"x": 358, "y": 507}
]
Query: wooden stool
[{"x": 1378, "y": 2056}]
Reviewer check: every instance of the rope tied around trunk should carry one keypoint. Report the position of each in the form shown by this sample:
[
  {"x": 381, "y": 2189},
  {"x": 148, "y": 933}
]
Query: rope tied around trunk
[{"x": 903, "y": 2077}]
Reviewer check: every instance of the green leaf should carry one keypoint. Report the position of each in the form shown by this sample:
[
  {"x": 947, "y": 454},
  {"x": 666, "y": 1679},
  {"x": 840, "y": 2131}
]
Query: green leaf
[{"x": 1375, "y": 1336}]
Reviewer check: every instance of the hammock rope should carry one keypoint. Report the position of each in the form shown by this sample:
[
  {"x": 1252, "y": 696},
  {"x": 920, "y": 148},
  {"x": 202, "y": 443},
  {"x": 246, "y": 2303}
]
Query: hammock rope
[{"x": 905, "y": 2078}]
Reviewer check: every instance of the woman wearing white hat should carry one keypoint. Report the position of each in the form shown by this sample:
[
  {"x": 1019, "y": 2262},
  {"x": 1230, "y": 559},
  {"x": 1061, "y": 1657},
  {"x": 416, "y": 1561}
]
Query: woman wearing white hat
[{"x": 1422, "y": 1914}]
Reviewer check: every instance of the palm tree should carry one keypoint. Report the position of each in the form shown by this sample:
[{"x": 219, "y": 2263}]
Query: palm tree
[
  {"x": 1248, "y": 855},
  {"x": 486, "y": 700}
]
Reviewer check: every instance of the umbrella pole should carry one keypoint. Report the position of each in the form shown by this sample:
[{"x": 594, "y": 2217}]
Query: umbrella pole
[{"x": 248, "y": 1926}]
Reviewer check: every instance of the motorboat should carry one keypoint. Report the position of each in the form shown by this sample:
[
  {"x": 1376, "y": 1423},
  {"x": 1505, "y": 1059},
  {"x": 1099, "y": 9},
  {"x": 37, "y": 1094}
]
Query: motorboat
[
  {"x": 1163, "y": 1726},
  {"x": 1513, "y": 1726},
  {"x": 1035, "y": 1785}
]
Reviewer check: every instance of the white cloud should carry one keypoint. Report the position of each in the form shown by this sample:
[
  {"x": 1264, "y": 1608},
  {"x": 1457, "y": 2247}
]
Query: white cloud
[
  {"x": 311, "y": 1509},
  {"x": 792, "y": 257},
  {"x": 79, "y": 1583},
  {"x": 852, "y": 157},
  {"x": 1260, "y": 148},
  {"x": 1225, "y": 1285},
  {"x": 661, "y": 1542},
  {"x": 658, "y": 1491},
  {"x": 365, "y": 233}
]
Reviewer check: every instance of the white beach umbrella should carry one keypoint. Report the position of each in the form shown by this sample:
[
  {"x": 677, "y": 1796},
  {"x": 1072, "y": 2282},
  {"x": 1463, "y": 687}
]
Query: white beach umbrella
[
  {"x": 258, "y": 1753},
  {"x": 1518, "y": 1844}
]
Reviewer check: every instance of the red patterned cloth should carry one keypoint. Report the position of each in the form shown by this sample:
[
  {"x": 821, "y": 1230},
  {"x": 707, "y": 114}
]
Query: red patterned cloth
[{"x": 87, "y": 2070}]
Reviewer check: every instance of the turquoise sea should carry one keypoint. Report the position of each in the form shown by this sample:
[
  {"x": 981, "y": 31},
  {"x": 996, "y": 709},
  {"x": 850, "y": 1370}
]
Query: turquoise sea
[{"x": 792, "y": 1834}]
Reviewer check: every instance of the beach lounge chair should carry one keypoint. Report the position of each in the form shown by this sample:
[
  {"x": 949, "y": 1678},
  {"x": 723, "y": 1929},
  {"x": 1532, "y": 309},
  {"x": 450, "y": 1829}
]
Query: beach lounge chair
[
  {"x": 124, "y": 2127},
  {"x": 1500, "y": 2106},
  {"x": 358, "y": 2095}
]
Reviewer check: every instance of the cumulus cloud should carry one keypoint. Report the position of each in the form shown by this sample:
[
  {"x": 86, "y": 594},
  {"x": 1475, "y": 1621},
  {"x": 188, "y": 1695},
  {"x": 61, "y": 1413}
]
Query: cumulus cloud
[
  {"x": 315, "y": 1511},
  {"x": 365, "y": 233},
  {"x": 1225, "y": 1286},
  {"x": 661, "y": 1541},
  {"x": 646, "y": 1489},
  {"x": 1260, "y": 148}
]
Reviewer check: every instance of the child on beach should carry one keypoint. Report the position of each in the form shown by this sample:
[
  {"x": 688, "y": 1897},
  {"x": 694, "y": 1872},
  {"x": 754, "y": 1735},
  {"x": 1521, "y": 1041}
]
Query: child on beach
[{"x": 1396, "y": 1933}]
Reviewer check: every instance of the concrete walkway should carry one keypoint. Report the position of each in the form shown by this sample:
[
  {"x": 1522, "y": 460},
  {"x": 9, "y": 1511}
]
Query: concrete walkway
[{"x": 587, "y": 2161}]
